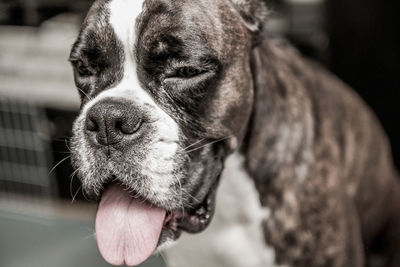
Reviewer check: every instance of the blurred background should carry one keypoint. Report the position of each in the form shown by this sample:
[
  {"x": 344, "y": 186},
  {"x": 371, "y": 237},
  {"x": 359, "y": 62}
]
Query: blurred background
[{"x": 44, "y": 218}]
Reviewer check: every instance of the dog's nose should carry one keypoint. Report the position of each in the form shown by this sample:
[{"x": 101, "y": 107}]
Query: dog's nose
[{"x": 111, "y": 121}]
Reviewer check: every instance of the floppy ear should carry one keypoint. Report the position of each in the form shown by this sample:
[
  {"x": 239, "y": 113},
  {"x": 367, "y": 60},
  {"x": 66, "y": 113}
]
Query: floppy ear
[{"x": 252, "y": 12}]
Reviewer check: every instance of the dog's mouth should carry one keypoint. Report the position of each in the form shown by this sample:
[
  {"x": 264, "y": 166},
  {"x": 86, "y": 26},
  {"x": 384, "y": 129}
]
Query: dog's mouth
[{"x": 129, "y": 228}]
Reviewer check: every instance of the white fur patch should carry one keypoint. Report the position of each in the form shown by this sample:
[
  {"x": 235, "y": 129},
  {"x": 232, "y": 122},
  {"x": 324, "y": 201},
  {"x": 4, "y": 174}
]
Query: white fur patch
[
  {"x": 234, "y": 237},
  {"x": 123, "y": 16}
]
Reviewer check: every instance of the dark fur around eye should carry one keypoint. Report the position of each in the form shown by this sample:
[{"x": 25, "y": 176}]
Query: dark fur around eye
[
  {"x": 83, "y": 69},
  {"x": 194, "y": 79},
  {"x": 188, "y": 72}
]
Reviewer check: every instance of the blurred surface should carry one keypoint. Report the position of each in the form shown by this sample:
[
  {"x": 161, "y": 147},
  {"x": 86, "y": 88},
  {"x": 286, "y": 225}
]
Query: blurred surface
[
  {"x": 37, "y": 233},
  {"x": 25, "y": 152},
  {"x": 33, "y": 62},
  {"x": 34, "y": 12}
]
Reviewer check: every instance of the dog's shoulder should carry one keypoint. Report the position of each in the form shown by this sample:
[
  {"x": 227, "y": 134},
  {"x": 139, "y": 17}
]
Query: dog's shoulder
[
  {"x": 300, "y": 87},
  {"x": 313, "y": 143}
]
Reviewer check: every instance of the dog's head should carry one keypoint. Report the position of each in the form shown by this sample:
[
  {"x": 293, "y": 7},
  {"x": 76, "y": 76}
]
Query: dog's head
[{"x": 167, "y": 93}]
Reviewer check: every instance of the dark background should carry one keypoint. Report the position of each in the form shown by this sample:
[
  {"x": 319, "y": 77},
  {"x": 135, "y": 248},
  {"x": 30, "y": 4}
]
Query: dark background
[{"x": 365, "y": 52}]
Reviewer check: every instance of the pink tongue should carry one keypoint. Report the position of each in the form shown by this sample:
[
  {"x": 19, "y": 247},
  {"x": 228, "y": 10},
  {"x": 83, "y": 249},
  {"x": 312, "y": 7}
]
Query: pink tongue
[{"x": 127, "y": 229}]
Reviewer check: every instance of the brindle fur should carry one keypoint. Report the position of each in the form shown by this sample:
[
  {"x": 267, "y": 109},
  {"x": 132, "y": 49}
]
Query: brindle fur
[{"x": 322, "y": 163}]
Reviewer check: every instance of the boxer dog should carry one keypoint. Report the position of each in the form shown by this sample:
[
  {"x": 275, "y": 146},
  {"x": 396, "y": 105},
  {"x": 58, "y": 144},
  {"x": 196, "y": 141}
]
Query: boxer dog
[{"x": 171, "y": 88}]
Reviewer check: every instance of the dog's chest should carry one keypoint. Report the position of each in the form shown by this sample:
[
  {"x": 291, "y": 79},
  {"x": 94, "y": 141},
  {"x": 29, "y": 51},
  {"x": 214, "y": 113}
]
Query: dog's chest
[{"x": 234, "y": 237}]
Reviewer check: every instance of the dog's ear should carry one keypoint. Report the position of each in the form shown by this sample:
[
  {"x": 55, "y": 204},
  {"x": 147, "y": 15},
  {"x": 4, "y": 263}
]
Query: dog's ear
[{"x": 252, "y": 12}]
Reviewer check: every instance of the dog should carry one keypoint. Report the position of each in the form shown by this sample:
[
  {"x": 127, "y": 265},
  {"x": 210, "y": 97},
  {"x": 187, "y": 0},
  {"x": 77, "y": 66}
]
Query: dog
[{"x": 173, "y": 90}]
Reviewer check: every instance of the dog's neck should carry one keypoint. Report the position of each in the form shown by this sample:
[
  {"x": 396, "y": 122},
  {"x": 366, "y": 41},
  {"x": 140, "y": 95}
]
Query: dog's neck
[{"x": 280, "y": 136}]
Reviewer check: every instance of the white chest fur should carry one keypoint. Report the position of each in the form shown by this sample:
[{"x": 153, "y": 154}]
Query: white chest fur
[{"x": 234, "y": 237}]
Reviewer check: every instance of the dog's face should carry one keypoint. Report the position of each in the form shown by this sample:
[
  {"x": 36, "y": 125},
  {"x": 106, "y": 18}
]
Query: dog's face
[{"x": 166, "y": 91}]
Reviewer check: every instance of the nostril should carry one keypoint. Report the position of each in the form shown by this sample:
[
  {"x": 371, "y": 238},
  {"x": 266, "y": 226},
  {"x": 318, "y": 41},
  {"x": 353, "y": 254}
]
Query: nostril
[
  {"x": 91, "y": 125},
  {"x": 128, "y": 128},
  {"x": 118, "y": 125}
]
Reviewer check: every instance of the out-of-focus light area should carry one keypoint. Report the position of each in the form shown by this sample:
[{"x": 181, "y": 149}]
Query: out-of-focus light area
[{"x": 45, "y": 220}]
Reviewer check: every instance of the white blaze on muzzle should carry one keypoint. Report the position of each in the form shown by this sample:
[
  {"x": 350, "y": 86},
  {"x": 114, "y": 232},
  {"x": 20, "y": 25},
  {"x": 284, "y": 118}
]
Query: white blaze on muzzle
[{"x": 127, "y": 229}]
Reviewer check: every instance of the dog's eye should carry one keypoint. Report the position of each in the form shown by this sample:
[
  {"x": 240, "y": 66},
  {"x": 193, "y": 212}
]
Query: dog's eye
[
  {"x": 82, "y": 69},
  {"x": 188, "y": 72}
]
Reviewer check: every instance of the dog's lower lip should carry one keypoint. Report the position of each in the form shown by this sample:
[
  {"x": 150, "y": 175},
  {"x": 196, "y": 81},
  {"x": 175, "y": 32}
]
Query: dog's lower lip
[
  {"x": 192, "y": 221},
  {"x": 172, "y": 219}
]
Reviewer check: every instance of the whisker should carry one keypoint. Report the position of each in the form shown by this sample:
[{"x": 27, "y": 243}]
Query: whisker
[
  {"x": 208, "y": 144},
  {"x": 191, "y": 196},
  {"x": 83, "y": 92},
  {"x": 84, "y": 194},
  {"x": 72, "y": 176},
  {"x": 58, "y": 164},
  {"x": 66, "y": 144},
  {"x": 181, "y": 193},
  {"x": 63, "y": 152},
  {"x": 162, "y": 256},
  {"x": 73, "y": 196},
  {"x": 76, "y": 194},
  {"x": 88, "y": 237},
  {"x": 195, "y": 143},
  {"x": 61, "y": 138}
]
